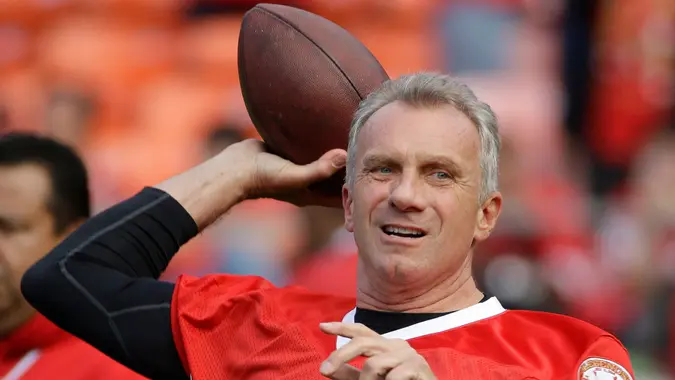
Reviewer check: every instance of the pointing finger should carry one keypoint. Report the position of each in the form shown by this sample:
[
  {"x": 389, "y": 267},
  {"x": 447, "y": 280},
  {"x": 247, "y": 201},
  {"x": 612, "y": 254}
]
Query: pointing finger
[{"x": 347, "y": 330}]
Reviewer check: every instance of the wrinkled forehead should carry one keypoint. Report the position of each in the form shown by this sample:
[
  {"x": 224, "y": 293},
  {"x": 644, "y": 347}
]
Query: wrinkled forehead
[{"x": 402, "y": 131}]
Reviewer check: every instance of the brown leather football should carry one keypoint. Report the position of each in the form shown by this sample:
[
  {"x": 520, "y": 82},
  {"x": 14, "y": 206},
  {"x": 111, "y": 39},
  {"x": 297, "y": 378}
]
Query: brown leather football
[{"x": 302, "y": 78}]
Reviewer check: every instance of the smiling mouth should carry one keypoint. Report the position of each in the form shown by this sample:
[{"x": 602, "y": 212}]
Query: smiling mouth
[{"x": 404, "y": 232}]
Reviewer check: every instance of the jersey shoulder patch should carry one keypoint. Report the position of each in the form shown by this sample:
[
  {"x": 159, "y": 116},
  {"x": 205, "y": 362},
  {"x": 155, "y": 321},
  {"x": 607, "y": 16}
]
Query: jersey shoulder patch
[{"x": 601, "y": 369}]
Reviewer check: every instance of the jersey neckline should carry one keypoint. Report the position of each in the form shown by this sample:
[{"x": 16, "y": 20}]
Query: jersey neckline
[{"x": 471, "y": 314}]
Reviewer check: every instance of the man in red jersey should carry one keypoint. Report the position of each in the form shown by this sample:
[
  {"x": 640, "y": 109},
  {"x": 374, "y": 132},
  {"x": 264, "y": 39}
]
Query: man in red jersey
[
  {"x": 43, "y": 196},
  {"x": 421, "y": 192}
]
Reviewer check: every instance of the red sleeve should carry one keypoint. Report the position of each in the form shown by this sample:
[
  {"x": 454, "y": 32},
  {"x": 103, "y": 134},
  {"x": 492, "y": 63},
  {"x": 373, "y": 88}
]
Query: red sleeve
[
  {"x": 604, "y": 358},
  {"x": 205, "y": 313}
]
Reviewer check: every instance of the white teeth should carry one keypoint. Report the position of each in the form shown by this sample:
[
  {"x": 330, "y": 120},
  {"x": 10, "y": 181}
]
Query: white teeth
[{"x": 402, "y": 231}]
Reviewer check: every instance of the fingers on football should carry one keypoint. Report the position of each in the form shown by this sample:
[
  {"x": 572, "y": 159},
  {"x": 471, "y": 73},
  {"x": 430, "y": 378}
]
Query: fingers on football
[
  {"x": 324, "y": 167},
  {"x": 348, "y": 330}
]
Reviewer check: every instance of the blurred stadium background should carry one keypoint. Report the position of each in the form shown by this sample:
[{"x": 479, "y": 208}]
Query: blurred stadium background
[{"x": 584, "y": 90}]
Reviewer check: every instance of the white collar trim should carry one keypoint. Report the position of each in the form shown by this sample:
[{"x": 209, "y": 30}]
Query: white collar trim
[{"x": 475, "y": 313}]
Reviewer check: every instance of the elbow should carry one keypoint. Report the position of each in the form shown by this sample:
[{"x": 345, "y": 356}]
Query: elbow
[{"x": 37, "y": 282}]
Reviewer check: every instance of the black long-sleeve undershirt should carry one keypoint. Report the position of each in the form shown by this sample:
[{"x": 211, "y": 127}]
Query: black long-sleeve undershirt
[{"x": 100, "y": 284}]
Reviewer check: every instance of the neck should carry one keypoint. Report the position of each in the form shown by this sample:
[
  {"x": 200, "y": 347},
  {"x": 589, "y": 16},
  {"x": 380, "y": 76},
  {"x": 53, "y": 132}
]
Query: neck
[{"x": 447, "y": 294}]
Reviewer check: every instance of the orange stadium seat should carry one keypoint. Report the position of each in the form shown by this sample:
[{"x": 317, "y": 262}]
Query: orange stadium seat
[
  {"x": 208, "y": 49},
  {"x": 166, "y": 132},
  {"x": 16, "y": 47},
  {"x": 400, "y": 51},
  {"x": 86, "y": 49},
  {"x": 31, "y": 14},
  {"x": 397, "y": 32},
  {"x": 110, "y": 57},
  {"x": 148, "y": 12},
  {"x": 401, "y": 13}
]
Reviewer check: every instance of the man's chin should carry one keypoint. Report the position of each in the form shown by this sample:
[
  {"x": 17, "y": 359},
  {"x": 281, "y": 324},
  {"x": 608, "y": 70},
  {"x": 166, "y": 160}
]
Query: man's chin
[{"x": 399, "y": 268}]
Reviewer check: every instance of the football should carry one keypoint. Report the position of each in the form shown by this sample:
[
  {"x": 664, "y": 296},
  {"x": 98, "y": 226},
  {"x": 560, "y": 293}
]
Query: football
[{"x": 302, "y": 78}]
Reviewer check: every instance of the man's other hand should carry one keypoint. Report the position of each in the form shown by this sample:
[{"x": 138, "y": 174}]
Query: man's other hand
[{"x": 389, "y": 359}]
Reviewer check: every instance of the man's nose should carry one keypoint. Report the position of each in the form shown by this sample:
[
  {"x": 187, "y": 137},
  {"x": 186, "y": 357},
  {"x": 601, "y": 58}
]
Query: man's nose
[{"x": 406, "y": 193}]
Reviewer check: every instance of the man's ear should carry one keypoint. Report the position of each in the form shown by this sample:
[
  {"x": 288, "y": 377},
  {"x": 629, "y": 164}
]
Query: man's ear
[
  {"x": 347, "y": 203},
  {"x": 486, "y": 217}
]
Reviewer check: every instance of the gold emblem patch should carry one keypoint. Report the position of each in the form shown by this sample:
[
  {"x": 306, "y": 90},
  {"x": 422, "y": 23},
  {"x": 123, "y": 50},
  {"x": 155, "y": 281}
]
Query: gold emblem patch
[{"x": 602, "y": 369}]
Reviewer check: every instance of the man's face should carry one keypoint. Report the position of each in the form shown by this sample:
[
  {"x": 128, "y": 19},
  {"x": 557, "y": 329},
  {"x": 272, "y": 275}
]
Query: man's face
[
  {"x": 26, "y": 235},
  {"x": 414, "y": 206}
]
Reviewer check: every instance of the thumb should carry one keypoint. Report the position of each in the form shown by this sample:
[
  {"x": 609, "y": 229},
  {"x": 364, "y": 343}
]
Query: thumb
[{"x": 327, "y": 165}]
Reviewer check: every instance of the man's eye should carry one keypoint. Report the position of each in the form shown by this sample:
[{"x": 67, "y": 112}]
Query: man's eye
[
  {"x": 442, "y": 175},
  {"x": 384, "y": 170}
]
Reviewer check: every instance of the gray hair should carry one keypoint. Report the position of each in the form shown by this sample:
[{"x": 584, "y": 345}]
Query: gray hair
[{"x": 431, "y": 90}]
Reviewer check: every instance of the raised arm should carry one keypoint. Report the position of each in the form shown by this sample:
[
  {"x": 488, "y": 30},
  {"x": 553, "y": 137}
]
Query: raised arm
[{"x": 100, "y": 283}]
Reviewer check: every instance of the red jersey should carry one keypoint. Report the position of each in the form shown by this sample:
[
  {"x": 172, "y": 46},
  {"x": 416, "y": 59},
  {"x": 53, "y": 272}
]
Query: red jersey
[
  {"x": 242, "y": 327},
  {"x": 39, "y": 350},
  {"x": 328, "y": 273}
]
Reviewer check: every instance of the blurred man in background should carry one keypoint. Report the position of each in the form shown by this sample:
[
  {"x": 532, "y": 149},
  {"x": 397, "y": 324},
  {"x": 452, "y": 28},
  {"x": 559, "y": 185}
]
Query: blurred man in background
[
  {"x": 44, "y": 195},
  {"x": 68, "y": 115}
]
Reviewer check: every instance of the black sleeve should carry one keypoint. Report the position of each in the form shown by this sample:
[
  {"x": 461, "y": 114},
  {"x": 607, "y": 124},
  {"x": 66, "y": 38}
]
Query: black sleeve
[{"x": 100, "y": 284}]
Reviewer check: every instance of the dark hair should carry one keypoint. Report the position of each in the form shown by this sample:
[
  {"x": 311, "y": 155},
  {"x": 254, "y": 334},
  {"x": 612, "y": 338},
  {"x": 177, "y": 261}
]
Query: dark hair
[{"x": 70, "y": 199}]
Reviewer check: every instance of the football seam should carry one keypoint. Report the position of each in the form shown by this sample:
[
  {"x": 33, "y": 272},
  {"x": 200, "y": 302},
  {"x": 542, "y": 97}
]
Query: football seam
[{"x": 330, "y": 58}]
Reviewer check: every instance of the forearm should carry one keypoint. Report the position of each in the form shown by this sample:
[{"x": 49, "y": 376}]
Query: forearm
[{"x": 208, "y": 190}]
